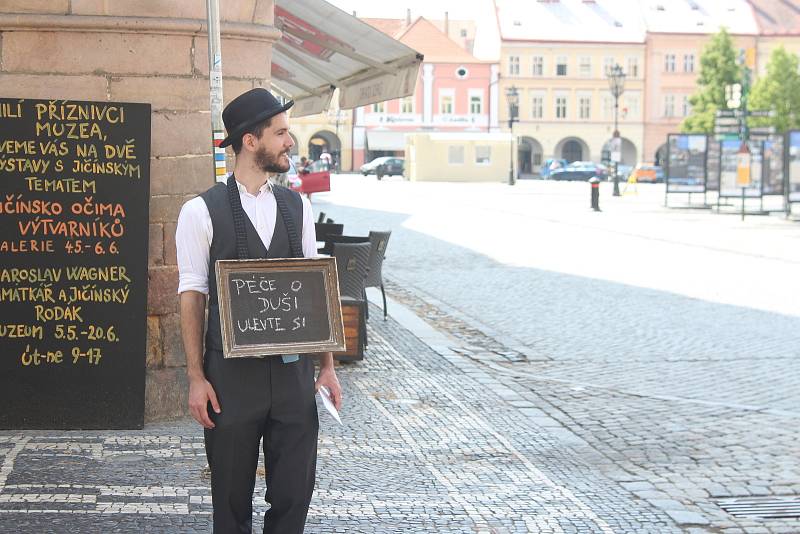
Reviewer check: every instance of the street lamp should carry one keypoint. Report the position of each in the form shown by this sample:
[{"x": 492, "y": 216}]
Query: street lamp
[
  {"x": 616, "y": 83},
  {"x": 513, "y": 116}
]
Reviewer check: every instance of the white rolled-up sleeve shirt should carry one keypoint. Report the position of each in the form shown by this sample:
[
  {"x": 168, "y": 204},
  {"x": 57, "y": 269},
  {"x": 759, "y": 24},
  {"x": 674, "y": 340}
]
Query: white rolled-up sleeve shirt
[{"x": 194, "y": 233}]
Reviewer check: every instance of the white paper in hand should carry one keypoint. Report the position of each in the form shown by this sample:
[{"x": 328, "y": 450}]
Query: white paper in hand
[{"x": 325, "y": 395}]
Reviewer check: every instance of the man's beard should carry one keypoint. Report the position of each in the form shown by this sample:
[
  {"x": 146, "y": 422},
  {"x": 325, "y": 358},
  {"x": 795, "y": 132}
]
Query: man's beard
[{"x": 271, "y": 162}]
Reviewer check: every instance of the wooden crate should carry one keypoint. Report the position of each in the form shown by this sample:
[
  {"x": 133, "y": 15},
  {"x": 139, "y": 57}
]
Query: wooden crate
[{"x": 353, "y": 316}]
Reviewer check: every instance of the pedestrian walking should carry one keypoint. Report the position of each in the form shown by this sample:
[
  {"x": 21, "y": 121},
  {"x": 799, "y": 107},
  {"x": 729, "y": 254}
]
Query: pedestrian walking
[{"x": 239, "y": 401}]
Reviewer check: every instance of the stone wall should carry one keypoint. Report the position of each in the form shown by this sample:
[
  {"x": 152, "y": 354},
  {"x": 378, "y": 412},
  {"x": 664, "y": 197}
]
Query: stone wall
[{"x": 151, "y": 51}]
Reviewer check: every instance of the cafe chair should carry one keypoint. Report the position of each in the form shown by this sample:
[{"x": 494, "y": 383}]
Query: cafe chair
[
  {"x": 321, "y": 217},
  {"x": 377, "y": 253},
  {"x": 352, "y": 262},
  {"x": 332, "y": 239},
  {"x": 324, "y": 231}
]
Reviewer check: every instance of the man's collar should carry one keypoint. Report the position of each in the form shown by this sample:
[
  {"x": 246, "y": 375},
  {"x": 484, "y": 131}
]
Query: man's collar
[{"x": 267, "y": 187}]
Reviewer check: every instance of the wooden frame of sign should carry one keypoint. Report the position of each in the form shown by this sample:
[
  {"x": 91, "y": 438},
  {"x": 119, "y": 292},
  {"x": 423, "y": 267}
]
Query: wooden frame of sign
[{"x": 281, "y": 306}]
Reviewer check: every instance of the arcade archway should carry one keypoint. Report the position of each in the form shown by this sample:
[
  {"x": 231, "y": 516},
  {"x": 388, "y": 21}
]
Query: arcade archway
[
  {"x": 573, "y": 149},
  {"x": 324, "y": 142},
  {"x": 660, "y": 157},
  {"x": 529, "y": 155},
  {"x": 630, "y": 155}
]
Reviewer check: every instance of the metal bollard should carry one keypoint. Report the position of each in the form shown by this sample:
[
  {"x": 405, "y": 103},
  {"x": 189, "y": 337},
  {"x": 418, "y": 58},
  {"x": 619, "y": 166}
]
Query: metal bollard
[{"x": 595, "y": 193}]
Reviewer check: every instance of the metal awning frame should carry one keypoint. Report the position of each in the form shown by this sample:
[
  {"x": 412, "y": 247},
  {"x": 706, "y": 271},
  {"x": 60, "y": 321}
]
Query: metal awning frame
[{"x": 390, "y": 72}]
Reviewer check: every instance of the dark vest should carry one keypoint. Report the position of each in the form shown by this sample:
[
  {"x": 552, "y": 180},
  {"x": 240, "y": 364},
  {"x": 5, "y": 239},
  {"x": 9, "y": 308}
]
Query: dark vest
[{"x": 223, "y": 244}]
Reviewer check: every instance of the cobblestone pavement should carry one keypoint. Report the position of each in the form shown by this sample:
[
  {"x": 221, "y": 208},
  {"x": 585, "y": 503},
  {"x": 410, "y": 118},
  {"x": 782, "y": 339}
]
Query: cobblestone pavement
[
  {"x": 578, "y": 372},
  {"x": 432, "y": 443},
  {"x": 667, "y": 340}
]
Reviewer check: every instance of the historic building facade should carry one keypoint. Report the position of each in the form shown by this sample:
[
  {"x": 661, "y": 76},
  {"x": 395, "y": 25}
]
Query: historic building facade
[
  {"x": 676, "y": 36},
  {"x": 557, "y": 65},
  {"x": 454, "y": 93}
]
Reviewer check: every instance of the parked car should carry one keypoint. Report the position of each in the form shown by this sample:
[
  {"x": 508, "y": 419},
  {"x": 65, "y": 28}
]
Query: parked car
[
  {"x": 648, "y": 173},
  {"x": 390, "y": 166},
  {"x": 580, "y": 170},
  {"x": 550, "y": 165},
  {"x": 315, "y": 178}
]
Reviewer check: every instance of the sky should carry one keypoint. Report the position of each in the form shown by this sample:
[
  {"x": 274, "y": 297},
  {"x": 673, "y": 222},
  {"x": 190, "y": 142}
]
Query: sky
[{"x": 430, "y": 9}]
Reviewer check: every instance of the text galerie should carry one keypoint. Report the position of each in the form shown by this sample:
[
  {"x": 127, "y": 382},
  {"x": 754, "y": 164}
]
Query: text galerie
[{"x": 275, "y": 301}]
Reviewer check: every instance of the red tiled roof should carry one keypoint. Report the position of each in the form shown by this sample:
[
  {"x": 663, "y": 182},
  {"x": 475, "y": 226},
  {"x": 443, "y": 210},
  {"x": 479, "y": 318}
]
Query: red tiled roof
[
  {"x": 390, "y": 27},
  {"x": 777, "y": 17},
  {"x": 431, "y": 42}
]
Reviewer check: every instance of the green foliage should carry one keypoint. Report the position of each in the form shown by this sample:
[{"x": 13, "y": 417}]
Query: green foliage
[
  {"x": 718, "y": 68},
  {"x": 778, "y": 90}
]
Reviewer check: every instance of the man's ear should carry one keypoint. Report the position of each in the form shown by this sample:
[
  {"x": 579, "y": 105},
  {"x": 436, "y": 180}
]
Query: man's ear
[{"x": 249, "y": 141}]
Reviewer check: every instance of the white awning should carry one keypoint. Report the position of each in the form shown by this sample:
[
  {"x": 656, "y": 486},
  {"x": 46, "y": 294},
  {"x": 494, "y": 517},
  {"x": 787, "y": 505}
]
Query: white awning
[
  {"x": 323, "y": 48},
  {"x": 385, "y": 140}
]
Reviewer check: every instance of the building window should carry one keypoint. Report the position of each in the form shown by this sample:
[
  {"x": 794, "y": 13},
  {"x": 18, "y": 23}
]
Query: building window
[
  {"x": 561, "y": 66},
  {"x": 446, "y": 104},
  {"x": 688, "y": 63},
  {"x": 538, "y": 66},
  {"x": 455, "y": 155},
  {"x": 633, "y": 67},
  {"x": 475, "y": 105},
  {"x": 561, "y": 107},
  {"x": 608, "y": 64},
  {"x": 686, "y": 106},
  {"x": 585, "y": 68},
  {"x": 513, "y": 65},
  {"x": 463, "y": 32},
  {"x": 669, "y": 63},
  {"x": 407, "y": 105},
  {"x": 669, "y": 105},
  {"x": 585, "y": 107},
  {"x": 632, "y": 106},
  {"x": 483, "y": 154},
  {"x": 537, "y": 107},
  {"x": 378, "y": 107}
]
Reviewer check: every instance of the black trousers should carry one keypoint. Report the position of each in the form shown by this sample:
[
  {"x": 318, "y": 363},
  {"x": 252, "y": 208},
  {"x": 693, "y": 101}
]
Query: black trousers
[{"x": 262, "y": 397}]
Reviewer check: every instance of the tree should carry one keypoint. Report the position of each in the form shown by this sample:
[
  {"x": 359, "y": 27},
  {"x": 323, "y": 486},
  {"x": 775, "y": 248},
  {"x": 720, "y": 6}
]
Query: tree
[
  {"x": 778, "y": 90},
  {"x": 718, "y": 68}
]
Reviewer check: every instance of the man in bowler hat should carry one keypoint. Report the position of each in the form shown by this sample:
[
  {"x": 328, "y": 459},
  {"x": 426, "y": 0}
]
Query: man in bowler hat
[{"x": 239, "y": 401}]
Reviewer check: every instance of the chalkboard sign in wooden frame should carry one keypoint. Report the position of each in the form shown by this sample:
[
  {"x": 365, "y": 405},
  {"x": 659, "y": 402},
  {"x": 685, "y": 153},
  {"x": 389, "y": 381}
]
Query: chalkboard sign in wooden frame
[{"x": 280, "y": 306}]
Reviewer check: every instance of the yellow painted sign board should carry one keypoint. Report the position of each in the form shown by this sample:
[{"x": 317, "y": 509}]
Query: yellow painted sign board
[{"x": 743, "y": 169}]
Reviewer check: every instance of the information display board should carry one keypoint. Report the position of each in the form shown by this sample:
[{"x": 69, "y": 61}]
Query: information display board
[
  {"x": 282, "y": 306},
  {"x": 729, "y": 159},
  {"x": 686, "y": 163},
  {"x": 793, "y": 191},
  {"x": 773, "y": 175},
  {"x": 73, "y": 263},
  {"x": 712, "y": 164}
]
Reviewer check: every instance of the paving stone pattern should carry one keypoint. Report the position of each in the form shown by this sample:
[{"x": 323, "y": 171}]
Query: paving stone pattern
[
  {"x": 431, "y": 443},
  {"x": 614, "y": 374},
  {"x": 705, "y": 457},
  {"x": 665, "y": 340}
]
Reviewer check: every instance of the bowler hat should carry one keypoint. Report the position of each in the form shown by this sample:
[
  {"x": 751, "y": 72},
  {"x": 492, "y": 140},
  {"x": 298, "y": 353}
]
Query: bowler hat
[{"x": 248, "y": 109}]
